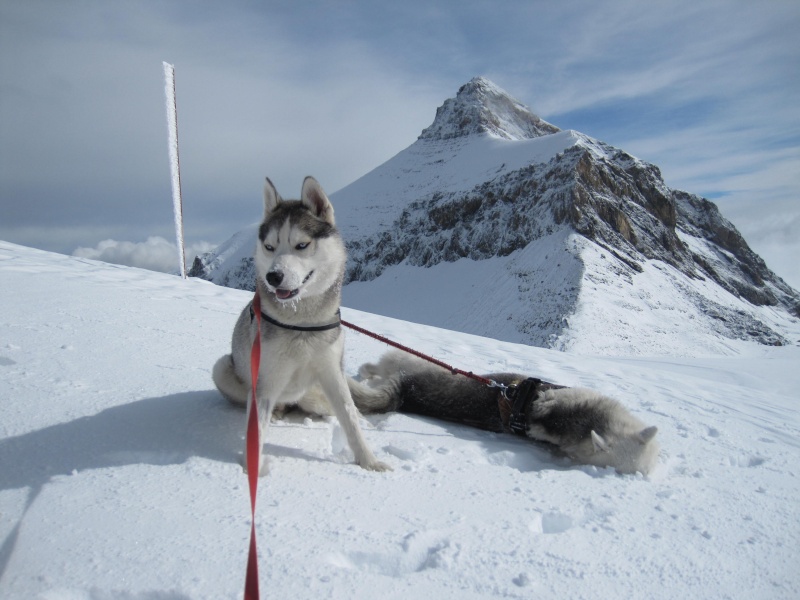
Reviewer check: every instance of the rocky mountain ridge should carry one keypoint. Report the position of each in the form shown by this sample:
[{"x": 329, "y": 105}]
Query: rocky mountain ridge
[{"x": 488, "y": 179}]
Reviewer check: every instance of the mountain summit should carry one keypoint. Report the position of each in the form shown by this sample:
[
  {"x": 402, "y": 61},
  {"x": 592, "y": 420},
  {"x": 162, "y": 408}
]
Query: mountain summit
[
  {"x": 496, "y": 223},
  {"x": 482, "y": 107}
]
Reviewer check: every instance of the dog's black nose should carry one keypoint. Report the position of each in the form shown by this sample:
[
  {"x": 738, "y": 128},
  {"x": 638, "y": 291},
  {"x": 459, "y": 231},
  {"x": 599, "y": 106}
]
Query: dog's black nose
[{"x": 274, "y": 278}]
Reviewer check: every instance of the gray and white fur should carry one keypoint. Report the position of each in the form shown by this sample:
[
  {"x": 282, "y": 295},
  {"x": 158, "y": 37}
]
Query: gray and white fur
[
  {"x": 300, "y": 261},
  {"x": 586, "y": 426}
]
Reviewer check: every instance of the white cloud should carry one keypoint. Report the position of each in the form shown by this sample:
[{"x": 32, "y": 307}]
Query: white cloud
[{"x": 156, "y": 254}]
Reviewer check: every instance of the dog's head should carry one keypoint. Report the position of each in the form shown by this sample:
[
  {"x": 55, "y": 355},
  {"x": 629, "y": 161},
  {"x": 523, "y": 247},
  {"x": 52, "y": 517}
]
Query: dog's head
[
  {"x": 627, "y": 452},
  {"x": 299, "y": 251}
]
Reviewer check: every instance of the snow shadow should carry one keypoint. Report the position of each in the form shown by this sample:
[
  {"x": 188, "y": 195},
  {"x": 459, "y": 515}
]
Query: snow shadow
[
  {"x": 161, "y": 431},
  {"x": 499, "y": 449}
]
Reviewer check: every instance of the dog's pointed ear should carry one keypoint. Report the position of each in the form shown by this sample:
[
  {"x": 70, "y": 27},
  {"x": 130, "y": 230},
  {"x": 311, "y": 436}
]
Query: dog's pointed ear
[
  {"x": 271, "y": 198},
  {"x": 645, "y": 435},
  {"x": 598, "y": 442},
  {"x": 315, "y": 199}
]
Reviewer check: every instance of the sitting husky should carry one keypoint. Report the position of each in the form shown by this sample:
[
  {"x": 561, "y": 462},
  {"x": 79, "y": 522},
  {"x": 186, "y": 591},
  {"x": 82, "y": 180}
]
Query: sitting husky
[
  {"x": 300, "y": 261},
  {"x": 586, "y": 426}
]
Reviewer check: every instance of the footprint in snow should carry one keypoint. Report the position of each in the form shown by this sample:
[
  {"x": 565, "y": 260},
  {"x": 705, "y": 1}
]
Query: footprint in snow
[{"x": 418, "y": 552}]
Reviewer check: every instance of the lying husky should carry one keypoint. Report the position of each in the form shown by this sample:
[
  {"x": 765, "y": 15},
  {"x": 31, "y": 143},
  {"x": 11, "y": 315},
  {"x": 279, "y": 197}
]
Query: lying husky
[
  {"x": 586, "y": 426},
  {"x": 300, "y": 261}
]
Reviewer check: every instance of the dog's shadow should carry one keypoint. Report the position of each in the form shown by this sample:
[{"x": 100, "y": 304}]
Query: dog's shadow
[{"x": 160, "y": 431}]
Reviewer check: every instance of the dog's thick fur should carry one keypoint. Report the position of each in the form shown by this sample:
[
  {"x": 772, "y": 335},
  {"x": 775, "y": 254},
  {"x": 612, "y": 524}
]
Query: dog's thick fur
[
  {"x": 300, "y": 260},
  {"x": 586, "y": 426}
]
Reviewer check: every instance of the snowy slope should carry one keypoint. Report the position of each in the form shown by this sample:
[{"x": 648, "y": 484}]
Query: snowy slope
[
  {"x": 565, "y": 293},
  {"x": 374, "y": 201},
  {"x": 119, "y": 475},
  {"x": 234, "y": 258}
]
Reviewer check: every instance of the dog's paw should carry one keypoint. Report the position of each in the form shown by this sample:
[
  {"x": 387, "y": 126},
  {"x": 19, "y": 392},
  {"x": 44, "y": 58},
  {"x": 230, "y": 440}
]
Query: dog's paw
[
  {"x": 263, "y": 466},
  {"x": 278, "y": 413},
  {"x": 368, "y": 371},
  {"x": 376, "y": 465}
]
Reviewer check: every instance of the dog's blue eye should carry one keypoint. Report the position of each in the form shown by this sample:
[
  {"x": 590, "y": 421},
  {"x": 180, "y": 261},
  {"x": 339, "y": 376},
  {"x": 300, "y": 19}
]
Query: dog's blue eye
[
  {"x": 269, "y": 248},
  {"x": 301, "y": 246}
]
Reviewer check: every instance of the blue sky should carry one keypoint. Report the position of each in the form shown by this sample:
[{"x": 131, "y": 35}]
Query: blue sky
[{"x": 709, "y": 91}]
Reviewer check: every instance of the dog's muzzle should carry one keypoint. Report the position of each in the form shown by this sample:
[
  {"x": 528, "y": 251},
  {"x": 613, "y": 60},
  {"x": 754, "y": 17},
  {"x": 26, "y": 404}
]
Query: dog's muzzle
[{"x": 275, "y": 279}]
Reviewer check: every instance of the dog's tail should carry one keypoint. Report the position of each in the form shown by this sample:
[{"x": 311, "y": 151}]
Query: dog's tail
[
  {"x": 381, "y": 398},
  {"x": 228, "y": 382}
]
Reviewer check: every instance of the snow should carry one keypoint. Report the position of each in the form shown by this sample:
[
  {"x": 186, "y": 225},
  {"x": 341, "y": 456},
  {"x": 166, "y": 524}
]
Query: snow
[
  {"x": 375, "y": 200},
  {"x": 119, "y": 474},
  {"x": 482, "y": 107},
  {"x": 563, "y": 292},
  {"x": 504, "y": 287}
]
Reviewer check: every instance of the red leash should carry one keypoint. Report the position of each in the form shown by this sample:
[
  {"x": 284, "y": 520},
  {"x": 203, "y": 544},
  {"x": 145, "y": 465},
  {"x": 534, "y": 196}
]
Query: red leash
[
  {"x": 430, "y": 359},
  {"x": 253, "y": 451}
]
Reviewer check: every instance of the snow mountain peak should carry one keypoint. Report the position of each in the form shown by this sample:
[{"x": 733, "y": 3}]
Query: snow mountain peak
[{"x": 481, "y": 107}]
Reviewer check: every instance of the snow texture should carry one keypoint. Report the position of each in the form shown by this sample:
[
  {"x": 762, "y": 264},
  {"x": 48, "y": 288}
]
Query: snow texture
[{"x": 119, "y": 474}]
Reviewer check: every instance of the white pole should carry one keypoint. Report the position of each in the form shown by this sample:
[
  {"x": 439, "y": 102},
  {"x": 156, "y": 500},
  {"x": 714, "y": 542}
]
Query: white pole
[{"x": 174, "y": 160}]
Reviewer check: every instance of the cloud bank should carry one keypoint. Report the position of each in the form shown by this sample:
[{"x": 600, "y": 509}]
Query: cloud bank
[{"x": 155, "y": 254}]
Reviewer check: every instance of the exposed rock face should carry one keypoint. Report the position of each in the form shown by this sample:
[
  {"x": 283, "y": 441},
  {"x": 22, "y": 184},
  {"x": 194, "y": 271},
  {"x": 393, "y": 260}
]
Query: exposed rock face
[
  {"x": 602, "y": 193},
  {"x": 488, "y": 178},
  {"x": 731, "y": 263},
  {"x": 231, "y": 264}
]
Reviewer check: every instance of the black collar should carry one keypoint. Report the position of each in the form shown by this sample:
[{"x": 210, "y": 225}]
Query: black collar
[{"x": 272, "y": 321}]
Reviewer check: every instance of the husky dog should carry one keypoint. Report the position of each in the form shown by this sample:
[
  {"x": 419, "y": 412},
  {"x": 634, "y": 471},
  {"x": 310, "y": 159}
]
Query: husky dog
[
  {"x": 300, "y": 261},
  {"x": 585, "y": 425}
]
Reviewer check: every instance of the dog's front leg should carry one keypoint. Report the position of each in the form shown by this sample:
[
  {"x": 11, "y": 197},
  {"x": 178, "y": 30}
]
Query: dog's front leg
[
  {"x": 341, "y": 401},
  {"x": 265, "y": 408}
]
